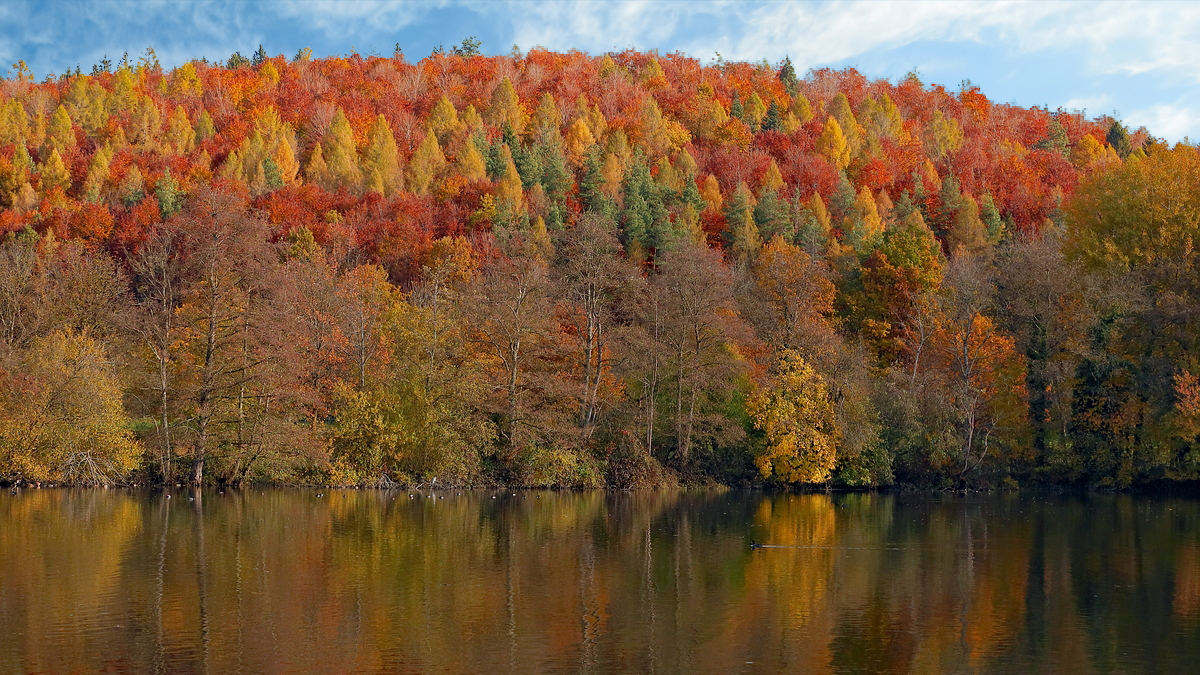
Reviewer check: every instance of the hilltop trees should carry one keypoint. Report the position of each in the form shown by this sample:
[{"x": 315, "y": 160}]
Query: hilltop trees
[{"x": 557, "y": 269}]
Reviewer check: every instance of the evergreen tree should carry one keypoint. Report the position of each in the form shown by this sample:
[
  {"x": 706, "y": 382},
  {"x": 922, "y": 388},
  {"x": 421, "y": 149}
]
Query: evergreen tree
[
  {"x": 787, "y": 75},
  {"x": 772, "y": 121},
  {"x": 168, "y": 195},
  {"x": 1118, "y": 138}
]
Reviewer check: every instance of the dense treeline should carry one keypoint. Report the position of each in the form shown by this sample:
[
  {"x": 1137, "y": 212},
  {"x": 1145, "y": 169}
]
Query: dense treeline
[{"x": 560, "y": 269}]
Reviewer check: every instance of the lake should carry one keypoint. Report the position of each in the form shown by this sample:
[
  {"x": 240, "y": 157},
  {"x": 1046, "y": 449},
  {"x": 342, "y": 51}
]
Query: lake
[{"x": 351, "y": 581}]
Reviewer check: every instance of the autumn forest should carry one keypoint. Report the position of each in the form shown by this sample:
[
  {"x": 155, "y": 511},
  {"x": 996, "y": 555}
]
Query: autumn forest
[{"x": 572, "y": 270}]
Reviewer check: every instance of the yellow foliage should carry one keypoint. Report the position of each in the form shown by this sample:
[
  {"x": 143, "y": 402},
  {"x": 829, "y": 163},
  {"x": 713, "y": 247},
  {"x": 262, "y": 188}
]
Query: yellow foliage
[
  {"x": 508, "y": 189},
  {"x": 798, "y": 418},
  {"x": 341, "y": 156},
  {"x": 381, "y": 160},
  {"x": 653, "y": 76},
  {"x": 470, "y": 164},
  {"x": 710, "y": 190},
  {"x": 443, "y": 119},
  {"x": 832, "y": 144},
  {"x": 185, "y": 81},
  {"x": 61, "y": 131},
  {"x": 864, "y": 226},
  {"x": 54, "y": 173},
  {"x": 754, "y": 110},
  {"x": 943, "y": 137},
  {"x": 579, "y": 139},
  {"x": 506, "y": 107},
  {"x": 316, "y": 171},
  {"x": 70, "y": 424},
  {"x": 285, "y": 159},
  {"x": 181, "y": 137},
  {"x": 547, "y": 116},
  {"x": 425, "y": 164},
  {"x": 772, "y": 180}
]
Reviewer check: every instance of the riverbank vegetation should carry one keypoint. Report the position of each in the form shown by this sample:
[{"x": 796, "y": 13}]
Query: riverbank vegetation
[{"x": 560, "y": 269}]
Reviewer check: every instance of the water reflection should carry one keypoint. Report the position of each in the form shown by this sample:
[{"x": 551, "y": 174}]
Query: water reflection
[{"x": 282, "y": 581}]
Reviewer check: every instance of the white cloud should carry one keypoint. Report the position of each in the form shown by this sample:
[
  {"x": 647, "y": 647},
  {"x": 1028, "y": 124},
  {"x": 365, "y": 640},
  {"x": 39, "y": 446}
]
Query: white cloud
[
  {"x": 343, "y": 18},
  {"x": 1173, "y": 122}
]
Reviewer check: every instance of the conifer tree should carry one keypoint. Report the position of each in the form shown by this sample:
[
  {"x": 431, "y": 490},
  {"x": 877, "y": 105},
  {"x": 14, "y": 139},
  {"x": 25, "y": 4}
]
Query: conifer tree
[
  {"x": 772, "y": 121},
  {"x": 54, "y": 173},
  {"x": 317, "y": 171},
  {"x": 839, "y": 109},
  {"x": 425, "y": 164},
  {"x": 285, "y": 161},
  {"x": 381, "y": 163},
  {"x": 469, "y": 164},
  {"x": 506, "y": 107},
  {"x": 340, "y": 154},
  {"x": 443, "y": 119},
  {"x": 787, "y": 75},
  {"x": 204, "y": 126},
  {"x": 181, "y": 137},
  {"x": 832, "y": 144},
  {"x": 711, "y": 192},
  {"x": 772, "y": 180},
  {"x": 61, "y": 133},
  {"x": 579, "y": 139}
]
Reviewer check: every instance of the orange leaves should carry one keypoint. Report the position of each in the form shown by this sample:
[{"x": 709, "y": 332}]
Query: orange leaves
[{"x": 1187, "y": 404}]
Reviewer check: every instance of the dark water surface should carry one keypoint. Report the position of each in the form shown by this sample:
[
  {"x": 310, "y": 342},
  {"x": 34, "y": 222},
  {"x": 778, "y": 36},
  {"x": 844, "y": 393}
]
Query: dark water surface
[{"x": 280, "y": 581}]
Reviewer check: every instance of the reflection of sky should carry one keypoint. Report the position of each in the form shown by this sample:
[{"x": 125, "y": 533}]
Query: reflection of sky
[{"x": 1135, "y": 58}]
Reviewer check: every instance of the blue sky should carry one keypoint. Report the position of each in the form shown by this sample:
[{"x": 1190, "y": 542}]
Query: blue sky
[{"x": 1139, "y": 60}]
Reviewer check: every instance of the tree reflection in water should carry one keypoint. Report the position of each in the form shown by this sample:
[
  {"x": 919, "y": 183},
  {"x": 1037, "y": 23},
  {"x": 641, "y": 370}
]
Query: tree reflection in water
[{"x": 595, "y": 582}]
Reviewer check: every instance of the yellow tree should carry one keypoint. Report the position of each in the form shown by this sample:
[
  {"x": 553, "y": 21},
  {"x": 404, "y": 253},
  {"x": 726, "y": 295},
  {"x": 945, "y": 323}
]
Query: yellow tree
[
  {"x": 797, "y": 417},
  {"x": 469, "y": 164},
  {"x": 317, "y": 171},
  {"x": 381, "y": 163},
  {"x": 69, "y": 423},
  {"x": 443, "y": 119},
  {"x": 772, "y": 180},
  {"x": 181, "y": 137},
  {"x": 863, "y": 225},
  {"x": 54, "y": 173},
  {"x": 425, "y": 164},
  {"x": 285, "y": 159},
  {"x": 832, "y": 144},
  {"x": 61, "y": 133},
  {"x": 579, "y": 139},
  {"x": 506, "y": 107},
  {"x": 839, "y": 109},
  {"x": 341, "y": 157}
]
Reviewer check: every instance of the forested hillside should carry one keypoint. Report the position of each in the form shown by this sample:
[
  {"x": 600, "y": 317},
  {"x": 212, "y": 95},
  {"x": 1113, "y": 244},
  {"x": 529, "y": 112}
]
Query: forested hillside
[{"x": 545, "y": 268}]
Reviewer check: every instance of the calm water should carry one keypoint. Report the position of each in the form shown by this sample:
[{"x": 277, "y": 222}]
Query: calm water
[{"x": 282, "y": 581}]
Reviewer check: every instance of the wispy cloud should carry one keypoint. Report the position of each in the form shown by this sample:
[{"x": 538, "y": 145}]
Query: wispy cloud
[
  {"x": 1130, "y": 55},
  {"x": 1174, "y": 122}
]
